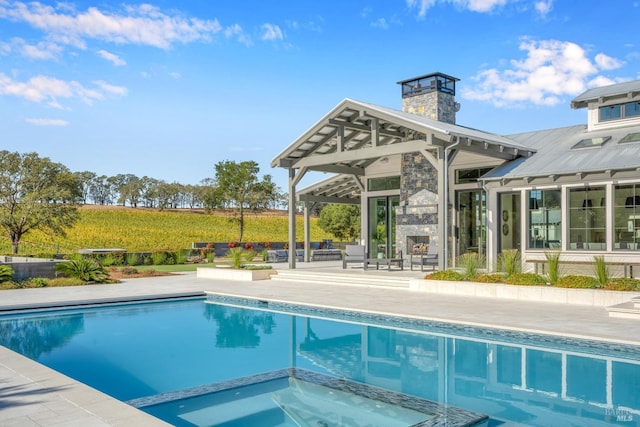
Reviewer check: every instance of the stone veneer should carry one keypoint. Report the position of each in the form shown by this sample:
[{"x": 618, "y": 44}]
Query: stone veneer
[
  {"x": 434, "y": 105},
  {"x": 417, "y": 214}
]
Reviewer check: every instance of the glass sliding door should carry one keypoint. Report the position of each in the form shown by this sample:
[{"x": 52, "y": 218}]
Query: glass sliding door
[
  {"x": 509, "y": 231},
  {"x": 471, "y": 219},
  {"x": 382, "y": 226}
]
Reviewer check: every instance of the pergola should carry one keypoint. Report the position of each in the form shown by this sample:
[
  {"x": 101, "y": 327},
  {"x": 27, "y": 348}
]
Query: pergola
[{"x": 354, "y": 135}]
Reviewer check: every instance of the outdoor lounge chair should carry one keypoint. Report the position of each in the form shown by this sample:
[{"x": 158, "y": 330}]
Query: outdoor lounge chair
[
  {"x": 428, "y": 258},
  {"x": 353, "y": 253}
]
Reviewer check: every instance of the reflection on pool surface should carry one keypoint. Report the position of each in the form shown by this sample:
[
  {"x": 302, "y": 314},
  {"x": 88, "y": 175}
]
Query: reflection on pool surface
[{"x": 145, "y": 350}]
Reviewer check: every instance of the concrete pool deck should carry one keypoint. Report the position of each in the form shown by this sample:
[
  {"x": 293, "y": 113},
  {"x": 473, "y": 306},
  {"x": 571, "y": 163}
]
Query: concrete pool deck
[{"x": 33, "y": 395}]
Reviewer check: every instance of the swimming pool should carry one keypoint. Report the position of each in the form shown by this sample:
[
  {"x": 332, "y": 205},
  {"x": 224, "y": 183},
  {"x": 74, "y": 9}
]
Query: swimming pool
[{"x": 143, "y": 353}]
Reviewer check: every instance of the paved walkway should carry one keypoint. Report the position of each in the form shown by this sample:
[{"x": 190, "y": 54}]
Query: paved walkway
[{"x": 33, "y": 395}]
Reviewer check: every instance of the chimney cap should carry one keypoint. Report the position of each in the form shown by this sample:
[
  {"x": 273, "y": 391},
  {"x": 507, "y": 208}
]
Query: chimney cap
[{"x": 426, "y": 76}]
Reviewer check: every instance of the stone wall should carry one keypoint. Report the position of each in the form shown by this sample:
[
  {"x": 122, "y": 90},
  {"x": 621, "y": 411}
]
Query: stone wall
[
  {"x": 26, "y": 268},
  {"x": 417, "y": 214},
  {"x": 433, "y": 105}
]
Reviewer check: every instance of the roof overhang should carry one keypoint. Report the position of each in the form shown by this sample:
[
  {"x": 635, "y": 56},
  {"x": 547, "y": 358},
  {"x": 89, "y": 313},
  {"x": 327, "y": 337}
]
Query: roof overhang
[{"x": 353, "y": 135}]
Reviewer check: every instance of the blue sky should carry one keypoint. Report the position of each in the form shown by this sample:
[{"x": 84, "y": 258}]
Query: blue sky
[{"x": 167, "y": 89}]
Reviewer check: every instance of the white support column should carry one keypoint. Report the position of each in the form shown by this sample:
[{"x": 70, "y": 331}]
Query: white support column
[
  {"x": 442, "y": 210},
  {"x": 292, "y": 218},
  {"x": 307, "y": 233},
  {"x": 610, "y": 220}
]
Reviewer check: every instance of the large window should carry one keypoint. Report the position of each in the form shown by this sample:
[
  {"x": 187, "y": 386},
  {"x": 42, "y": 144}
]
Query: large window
[
  {"x": 544, "y": 219},
  {"x": 384, "y": 183},
  {"x": 619, "y": 111},
  {"x": 627, "y": 217},
  {"x": 610, "y": 112},
  {"x": 464, "y": 176},
  {"x": 587, "y": 213}
]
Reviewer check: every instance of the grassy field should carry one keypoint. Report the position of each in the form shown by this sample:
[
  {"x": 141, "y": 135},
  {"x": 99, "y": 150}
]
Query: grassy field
[{"x": 143, "y": 229}]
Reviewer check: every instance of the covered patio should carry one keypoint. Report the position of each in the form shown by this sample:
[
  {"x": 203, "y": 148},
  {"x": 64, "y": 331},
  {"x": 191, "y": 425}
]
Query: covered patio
[{"x": 358, "y": 142}]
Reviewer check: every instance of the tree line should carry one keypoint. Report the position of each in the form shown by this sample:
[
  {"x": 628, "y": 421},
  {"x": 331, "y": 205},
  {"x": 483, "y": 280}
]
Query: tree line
[
  {"x": 38, "y": 194},
  {"x": 131, "y": 190}
]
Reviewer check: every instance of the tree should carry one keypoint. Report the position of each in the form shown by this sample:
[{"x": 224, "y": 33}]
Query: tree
[
  {"x": 343, "y": 221},
  {"x": 36, "y": 194},
  {"x": 101, "y": 190},
  {"x": 237, "y": 186},
  {"x": 86, "y": 180}
]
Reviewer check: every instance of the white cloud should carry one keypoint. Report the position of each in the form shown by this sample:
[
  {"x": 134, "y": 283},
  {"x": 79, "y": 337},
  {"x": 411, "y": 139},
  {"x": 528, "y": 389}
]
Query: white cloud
[
  {"x": 543, "y": 7},
  {"x": 44, "y": 50},
  {"x": 380, "y": 23},
  {"x": 238, "y": 33},
  {"x": 551, "y": 69},
  {"x": 175, "y": 75},
  {"x": 481, "y": 6},
  {"x": 47, "y": 122},
  {"x": 606, "y": 62},
  {"x": 112, "y": 57},
  {"x": 112, "y": 89},
  {"x": 144, "y": 24},
  {"x": 49, "y": 90},
  {"x": 271, "y": 32}
]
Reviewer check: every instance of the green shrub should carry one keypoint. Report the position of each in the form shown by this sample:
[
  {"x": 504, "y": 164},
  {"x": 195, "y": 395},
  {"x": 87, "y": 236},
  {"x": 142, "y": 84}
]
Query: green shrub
[
  {"x": 470, "y": 263},
  {"x": 265, "y": 255},
  {"x": 249, "y": 255},
  {"x": 235, "y": 254},
  {"x": 85, "y": 269},
  {"x": 553, "y": 261},
  {"x": 450, "y": 275},
  {"x": 65, "y": 281},
  {"x": 182, "y": 256},
  {"x": 601, "y": 270},
  {"x": 490, "y": 278},
  {"x": 526, "y": 279},
  {"x": 509, "y": 262},
  {"x": 258, "y": 267},
  {"x": 6, "y": 273},
  {"x": 134, "y": 259},
  {"x": 159, "y": 258},
  {"x": 37, "y": 282},
  {"x": 211, "y": 257},
  {"x": 577, "y": 282},
  {"x": 623, "y": 284},
  {"x": 110, "y": 259},
  {"x": 8, "y": 285}
]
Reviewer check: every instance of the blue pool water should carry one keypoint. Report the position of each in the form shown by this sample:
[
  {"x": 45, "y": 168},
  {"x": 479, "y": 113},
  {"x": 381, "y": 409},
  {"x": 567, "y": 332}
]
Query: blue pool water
[{"x": 148, "y": 349}]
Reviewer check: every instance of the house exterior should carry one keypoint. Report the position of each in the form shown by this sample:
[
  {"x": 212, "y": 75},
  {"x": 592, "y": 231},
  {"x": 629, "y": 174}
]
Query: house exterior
[{"x": 421, "y": 178}]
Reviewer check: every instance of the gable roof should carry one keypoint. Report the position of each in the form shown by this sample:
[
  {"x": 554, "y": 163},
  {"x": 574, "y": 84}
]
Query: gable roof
[
  {"x": 604, "y": 93},
  {"x": 355, "y": 134}
]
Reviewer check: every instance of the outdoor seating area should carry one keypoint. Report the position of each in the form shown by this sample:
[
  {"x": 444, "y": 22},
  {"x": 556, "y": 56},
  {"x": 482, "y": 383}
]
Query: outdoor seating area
[
  {"x": 357, "y": 254},
  {"x": 326, "y": 255},
  {"x": 353, "y": 254},
  {"x": 282, "y": 255},
  {"x": 428, "y": 257}
]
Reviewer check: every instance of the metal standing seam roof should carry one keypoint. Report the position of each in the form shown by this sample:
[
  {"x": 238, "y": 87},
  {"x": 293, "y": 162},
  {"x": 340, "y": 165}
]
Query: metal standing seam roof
[
  {"x": 629, "y": 89},
  {"x": 555, "y": 155}
]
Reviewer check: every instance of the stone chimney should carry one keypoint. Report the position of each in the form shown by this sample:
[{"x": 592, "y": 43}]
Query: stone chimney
[{"x": 432, "y": 96}]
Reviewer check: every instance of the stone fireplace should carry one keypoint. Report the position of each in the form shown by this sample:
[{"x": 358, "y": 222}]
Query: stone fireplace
[{"x": 417, "y": 245}]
